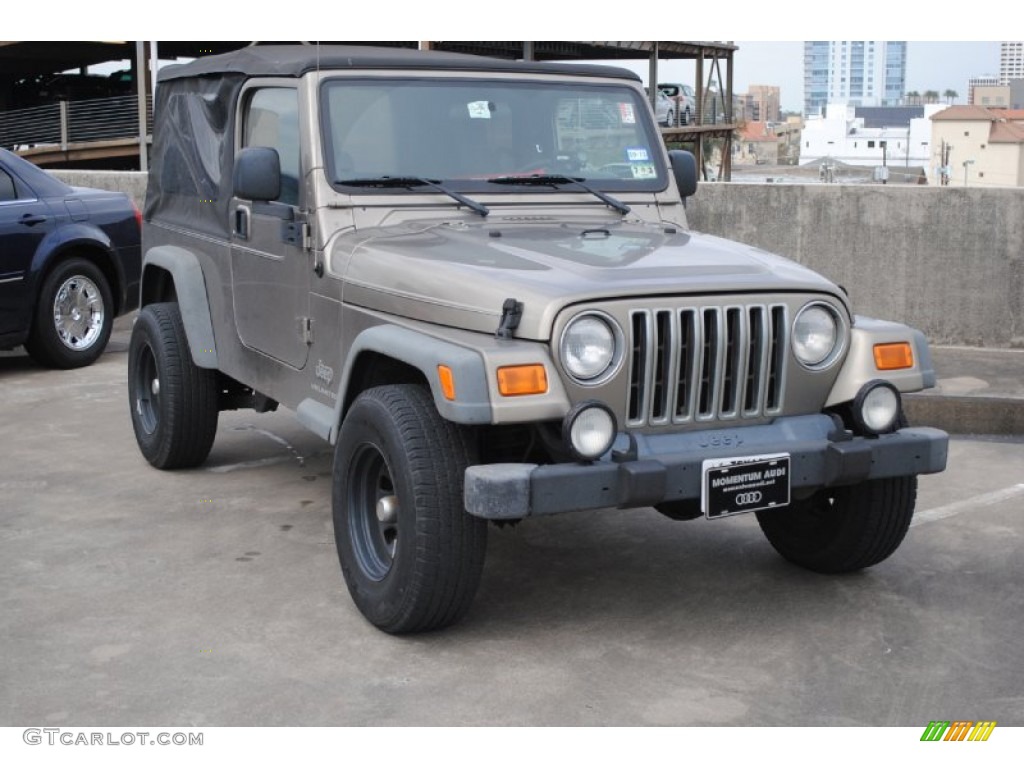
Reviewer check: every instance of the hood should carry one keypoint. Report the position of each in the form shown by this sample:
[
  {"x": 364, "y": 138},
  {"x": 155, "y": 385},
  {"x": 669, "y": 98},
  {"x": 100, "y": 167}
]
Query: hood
[{"x": 459, "y": 274}]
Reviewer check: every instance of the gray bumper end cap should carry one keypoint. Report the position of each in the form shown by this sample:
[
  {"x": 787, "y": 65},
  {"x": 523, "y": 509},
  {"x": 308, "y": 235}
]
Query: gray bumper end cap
[{"x": 498, "y": 491}]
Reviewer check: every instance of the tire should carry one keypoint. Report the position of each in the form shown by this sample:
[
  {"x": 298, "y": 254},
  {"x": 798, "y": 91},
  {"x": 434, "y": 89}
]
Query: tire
[
  {"x": 686, "y": 116},
  {"x": 410, "y": 553},
  {"x": 173, "y": 402},
  {"x": 670, "y": 118},
  {"x": 839, "y": 530},
  {"x": 73, "y": 317}
]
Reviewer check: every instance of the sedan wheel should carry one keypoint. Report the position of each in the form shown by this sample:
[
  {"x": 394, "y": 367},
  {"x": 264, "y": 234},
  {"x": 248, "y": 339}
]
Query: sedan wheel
[{"x": 73, "y": 317}]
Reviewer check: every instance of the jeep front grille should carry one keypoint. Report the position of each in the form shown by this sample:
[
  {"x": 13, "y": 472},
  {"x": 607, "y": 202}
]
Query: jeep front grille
[{"x": 705, "y": 363}]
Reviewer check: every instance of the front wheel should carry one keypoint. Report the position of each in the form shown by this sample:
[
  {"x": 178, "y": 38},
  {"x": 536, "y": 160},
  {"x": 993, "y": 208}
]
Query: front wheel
[
  {"x": 410, "y": 553},
  {"x": 838, "y": 530},
  {"x": 173, "y": 401},
  {"x": 73, "y": 317}
]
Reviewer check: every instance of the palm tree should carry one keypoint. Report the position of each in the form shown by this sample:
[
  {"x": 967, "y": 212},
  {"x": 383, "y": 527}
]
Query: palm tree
[
  {"x": 913, "y": 97},
  {"x": 950, "y": 94},
  {"x": 930, "y": 97}
]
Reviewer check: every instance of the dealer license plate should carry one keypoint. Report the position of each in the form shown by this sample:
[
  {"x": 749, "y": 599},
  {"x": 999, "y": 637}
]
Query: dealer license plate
[{"x": 733, "y": 486}]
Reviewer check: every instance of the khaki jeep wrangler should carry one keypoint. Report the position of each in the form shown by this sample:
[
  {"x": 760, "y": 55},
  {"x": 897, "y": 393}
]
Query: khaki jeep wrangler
[{"x": 474, "y": 278}]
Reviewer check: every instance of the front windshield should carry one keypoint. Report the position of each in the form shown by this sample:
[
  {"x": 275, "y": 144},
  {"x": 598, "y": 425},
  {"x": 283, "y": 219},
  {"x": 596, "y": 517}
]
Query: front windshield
[{"x": 468, "y": 132}]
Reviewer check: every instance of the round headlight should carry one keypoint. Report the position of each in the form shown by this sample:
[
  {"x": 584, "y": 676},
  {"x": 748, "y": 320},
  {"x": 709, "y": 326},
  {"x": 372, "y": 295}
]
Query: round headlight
[
  {"x": 588, "y": 347},
  {"x": 589, "y": 430},
  {"x": 815, "y": 335},
  {"x": 876, "y": 408}
]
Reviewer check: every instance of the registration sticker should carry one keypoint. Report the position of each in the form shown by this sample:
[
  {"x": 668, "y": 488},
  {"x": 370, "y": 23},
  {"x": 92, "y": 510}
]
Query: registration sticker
[
  {"x": 637, "y": 154},
  {"x": 746, "y": 484},
  {"x": 626, "y": 113}
]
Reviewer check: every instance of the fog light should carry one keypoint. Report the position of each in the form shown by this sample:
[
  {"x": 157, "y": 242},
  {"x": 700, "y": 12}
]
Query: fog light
[
  {"x": 589, "y": 430},
  {"x": 876, "y": 408}
]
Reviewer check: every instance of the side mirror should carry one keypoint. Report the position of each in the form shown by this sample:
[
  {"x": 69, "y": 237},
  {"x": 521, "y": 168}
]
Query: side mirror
[
  {"x": 684, "y": 168},
  {"x": 257, "y": 174}
]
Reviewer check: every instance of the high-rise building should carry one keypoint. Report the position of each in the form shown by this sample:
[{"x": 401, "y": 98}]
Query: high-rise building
[
  {"x": 1011, "y": 62},
  {"x": 868, "y": 73}
]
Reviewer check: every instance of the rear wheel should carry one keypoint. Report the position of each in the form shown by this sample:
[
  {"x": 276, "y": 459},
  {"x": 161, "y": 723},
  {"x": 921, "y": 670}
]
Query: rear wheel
[
  {"x": 173, "y": 401},
  {"x": 411, "y": 555},
  {"x": 843, "y": 529},
  {"x": 74, "y": 316}
]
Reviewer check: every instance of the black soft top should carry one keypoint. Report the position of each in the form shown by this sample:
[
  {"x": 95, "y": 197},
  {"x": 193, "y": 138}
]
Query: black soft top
[{"x": 295, "y": 60}]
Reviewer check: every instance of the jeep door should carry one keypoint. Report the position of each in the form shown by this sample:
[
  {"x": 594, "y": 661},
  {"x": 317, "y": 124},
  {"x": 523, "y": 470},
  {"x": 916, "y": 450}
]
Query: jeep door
[{"x": 270, "y": 268}]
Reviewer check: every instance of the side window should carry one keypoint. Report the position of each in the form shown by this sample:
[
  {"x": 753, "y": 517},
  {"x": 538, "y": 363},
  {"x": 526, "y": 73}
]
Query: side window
[
  {"x": 272, "y": 120},
  {"x": 7, "y": 192}
]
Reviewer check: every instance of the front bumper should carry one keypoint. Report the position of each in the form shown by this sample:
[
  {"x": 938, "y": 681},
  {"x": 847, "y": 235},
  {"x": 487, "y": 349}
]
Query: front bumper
[{"x": 668, "y": 467}]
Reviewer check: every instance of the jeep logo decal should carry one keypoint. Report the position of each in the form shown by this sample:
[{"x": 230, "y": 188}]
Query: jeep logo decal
[{"x": 324, "y": 372}]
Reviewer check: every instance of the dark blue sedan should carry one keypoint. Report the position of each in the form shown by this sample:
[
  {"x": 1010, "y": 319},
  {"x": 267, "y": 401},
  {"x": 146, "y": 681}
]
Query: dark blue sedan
[{"x": 70, "y": 259}]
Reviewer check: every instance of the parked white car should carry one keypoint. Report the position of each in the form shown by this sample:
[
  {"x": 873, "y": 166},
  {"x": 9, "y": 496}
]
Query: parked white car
[{"x": 684, "y": 102}]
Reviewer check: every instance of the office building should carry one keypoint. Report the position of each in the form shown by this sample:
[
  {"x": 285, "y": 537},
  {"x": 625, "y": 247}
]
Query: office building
[{"x": 869, "y": 73}]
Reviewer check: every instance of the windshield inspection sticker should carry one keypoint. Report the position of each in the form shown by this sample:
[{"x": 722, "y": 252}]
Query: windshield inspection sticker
[
  {"x": 643, "y": 171},
  {"x": 626, "y": 113},
  {"x": 637, "y": 154}
]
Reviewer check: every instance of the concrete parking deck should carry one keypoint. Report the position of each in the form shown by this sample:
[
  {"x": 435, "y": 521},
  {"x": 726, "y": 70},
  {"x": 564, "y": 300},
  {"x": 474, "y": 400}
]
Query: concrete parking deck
[
  {"x": 980, "y": 391},
  {"x": 213, "y": 596}
]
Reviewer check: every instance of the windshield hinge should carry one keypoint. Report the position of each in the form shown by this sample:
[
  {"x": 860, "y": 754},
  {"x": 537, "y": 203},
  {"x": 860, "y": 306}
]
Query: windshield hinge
[{"x": 511, "y": 314}]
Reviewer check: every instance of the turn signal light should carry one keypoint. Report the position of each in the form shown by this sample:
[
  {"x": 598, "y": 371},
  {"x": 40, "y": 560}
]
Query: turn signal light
[
  {"x": 893, "y": 357},
  {"x": 515, "y": 380},
  {"x": 444, "y": 373}
]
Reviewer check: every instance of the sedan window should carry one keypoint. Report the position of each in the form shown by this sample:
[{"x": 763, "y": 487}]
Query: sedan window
[{"x": 7, "y": 191}]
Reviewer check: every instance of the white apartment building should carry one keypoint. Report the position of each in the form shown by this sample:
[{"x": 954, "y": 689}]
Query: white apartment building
[
  {"x": 841, "y": 136},
  {"x": 1011, "y": 62}
]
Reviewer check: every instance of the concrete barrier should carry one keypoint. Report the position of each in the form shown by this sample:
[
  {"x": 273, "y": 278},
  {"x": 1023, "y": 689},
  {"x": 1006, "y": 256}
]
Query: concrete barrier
[
  {"x": 949, "y": 261},
  {"x": 133, "y": 183}
]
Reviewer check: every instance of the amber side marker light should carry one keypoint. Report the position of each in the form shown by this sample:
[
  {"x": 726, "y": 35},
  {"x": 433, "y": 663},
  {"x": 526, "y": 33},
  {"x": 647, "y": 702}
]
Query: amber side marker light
[
  {"x": 893, "y": 357},
  {"x": 515, "y": 380},
  {"x": 444, "y": 373}
]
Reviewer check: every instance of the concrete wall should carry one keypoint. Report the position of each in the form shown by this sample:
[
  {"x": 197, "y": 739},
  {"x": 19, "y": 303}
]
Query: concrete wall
[
  {"x": 131, "y": 182},
  {"x": 949, "y": 261}
]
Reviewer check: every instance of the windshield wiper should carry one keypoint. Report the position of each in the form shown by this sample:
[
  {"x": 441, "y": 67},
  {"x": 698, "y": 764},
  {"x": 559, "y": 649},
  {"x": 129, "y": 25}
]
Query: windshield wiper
[
  {"x": 555, "y": 180},
  {"x": 408, "y": 182}
]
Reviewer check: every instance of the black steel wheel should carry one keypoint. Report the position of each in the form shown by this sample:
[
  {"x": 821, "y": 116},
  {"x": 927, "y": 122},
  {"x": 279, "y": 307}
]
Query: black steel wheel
[
  {"x": 410, "y": 554},
  {"x": 173, "y": 402}
]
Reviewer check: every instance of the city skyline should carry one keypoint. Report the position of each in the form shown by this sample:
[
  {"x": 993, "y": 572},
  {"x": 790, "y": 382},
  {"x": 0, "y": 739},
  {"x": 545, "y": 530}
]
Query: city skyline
[{"x": 931, "y": 66}]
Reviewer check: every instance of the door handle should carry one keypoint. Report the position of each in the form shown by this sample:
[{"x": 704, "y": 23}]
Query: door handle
[
  {"x": 31, "y": 219},
  {"x": 242, "y": 223}
]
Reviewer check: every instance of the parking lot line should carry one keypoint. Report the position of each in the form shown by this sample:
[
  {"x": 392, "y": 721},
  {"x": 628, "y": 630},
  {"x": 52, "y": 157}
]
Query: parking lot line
[{"x": 984, "y": 500}]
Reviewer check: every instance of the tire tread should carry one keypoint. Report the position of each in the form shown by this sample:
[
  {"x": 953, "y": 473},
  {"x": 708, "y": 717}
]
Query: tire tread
[{"x": 188, "y": 425}]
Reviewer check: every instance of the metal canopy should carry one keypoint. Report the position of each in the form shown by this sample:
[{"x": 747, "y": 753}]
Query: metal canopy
[
  {"x": 21, "y": 61},
  {"x": 25, "y": 58}
]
